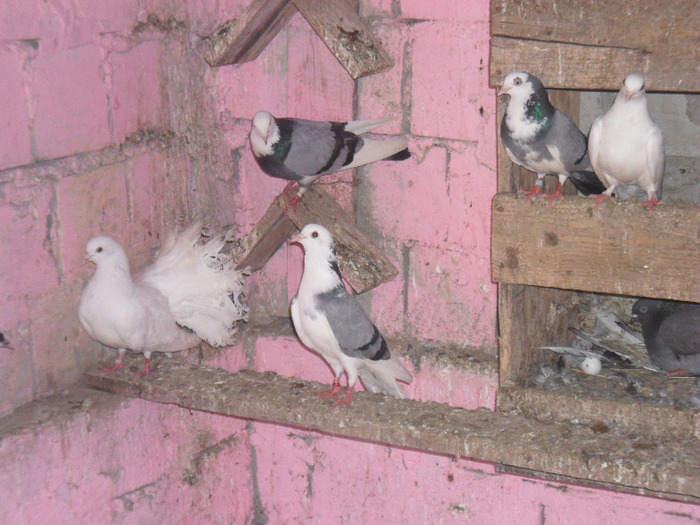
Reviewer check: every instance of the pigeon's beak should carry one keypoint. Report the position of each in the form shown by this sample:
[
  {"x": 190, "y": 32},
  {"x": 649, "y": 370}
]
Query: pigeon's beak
[
  {"x": 296, "y": 239},
  {"x": 503, "y": 90}
]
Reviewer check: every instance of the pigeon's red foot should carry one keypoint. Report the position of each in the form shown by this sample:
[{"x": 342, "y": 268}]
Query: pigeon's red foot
[
  {"x": 345, "y": 400},
  {"x": 146, "y": 370},
  {"x": 333, "y": 392},
  {"x": 600, "y": 198},
  {"x": 651, "y": 203},
  {"x": 116, "y": 366},
  {"x": 557, "y": 193},
  {"x": 293, "y": 199},
  {"x": 535, "y": 190}
]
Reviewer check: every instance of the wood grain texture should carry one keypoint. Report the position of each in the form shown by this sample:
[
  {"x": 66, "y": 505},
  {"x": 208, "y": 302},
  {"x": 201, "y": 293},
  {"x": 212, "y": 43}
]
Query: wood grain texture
[
  {"x": 337, "y": 23},
  {"x": 594, "y": 45},
  {"x": 545, "y": 446},
  {"x": 617, "y": 248},
  {"x": 244, "y": 38},
  {"x": 362, "y": 264}
]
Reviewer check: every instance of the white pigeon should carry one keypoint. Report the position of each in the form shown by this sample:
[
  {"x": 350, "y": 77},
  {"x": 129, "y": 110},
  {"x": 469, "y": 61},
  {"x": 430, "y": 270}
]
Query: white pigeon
[
  {"x": 190, "y": 293},
  {"x": 331, "y": 322},
  {"x": 626, "y": 146}
]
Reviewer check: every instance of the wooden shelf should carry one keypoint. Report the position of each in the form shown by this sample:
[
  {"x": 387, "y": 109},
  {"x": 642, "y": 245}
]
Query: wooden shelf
[
  {"x": 618, "y": 458},
  {"x": 615, "y": 248}
]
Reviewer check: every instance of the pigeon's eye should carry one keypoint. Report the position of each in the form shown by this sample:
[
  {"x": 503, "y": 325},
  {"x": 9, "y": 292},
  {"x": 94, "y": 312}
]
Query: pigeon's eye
[
  {"x": 517, "y": 81},
  {"x": 314, "y": 234},
  {"x": 99, "y": 249},
  {"x": 643, "y": 309}
]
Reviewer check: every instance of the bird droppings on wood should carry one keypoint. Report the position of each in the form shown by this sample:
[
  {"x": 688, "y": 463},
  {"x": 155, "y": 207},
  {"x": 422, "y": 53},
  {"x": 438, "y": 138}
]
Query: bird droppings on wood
[{"x": 619, "y": 456}]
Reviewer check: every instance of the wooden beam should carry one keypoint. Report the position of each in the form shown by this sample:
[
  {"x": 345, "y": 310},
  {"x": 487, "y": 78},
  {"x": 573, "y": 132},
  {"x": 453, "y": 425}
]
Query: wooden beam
[
  {"x": 244, "y": 38},
  {"x": 617, "y": 248},
  {"x": 361, "y": 262},
  {"x": 546, "y": 446},
  {"x": 594, "y": 45},
  {"x": 337, "y": 23}
]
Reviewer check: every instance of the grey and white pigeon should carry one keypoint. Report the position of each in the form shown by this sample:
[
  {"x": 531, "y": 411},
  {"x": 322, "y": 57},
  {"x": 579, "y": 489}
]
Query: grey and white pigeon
[
  {"x": 540, "y": 138},
  {"x": 190, "y": 293},
  {"x": 300, "y": 150},
  {"x": 331, "y": 322},
  {"x": 671, "y": 331},
  {"x": 626, "y": 146}
]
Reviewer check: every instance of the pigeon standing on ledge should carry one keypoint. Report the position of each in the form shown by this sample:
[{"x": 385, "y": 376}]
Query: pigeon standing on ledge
[
  {"x": 540, "y": 138},
  {"x": 190, "y": 293},
  {"x": 671, "y": 331},
  {"x": 331, "y": 322},
  {"x": 626, "y": 146},
  {"x": 300, "y": 150}
]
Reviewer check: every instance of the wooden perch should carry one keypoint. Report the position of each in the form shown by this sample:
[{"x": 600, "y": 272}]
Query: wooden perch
[
  {"x": 335, "y": 21},
  {"x": 361, "y": 263},
  {"x": 618, "y": 247},
  {"x": 594, "y": 45},
  {"x": 620, "y": 458}
]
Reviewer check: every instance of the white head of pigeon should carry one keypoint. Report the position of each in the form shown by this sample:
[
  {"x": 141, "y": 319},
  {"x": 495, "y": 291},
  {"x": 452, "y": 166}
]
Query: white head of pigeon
[
  {"x": 626, "y": 145},
  {"x": 540, "y": 138},
  {"x": 301, "y": 150},
  {"x": 331, "y": 322}
]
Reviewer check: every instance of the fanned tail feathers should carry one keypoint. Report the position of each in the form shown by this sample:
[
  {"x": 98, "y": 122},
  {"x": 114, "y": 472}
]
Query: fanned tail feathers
[{"x": 204, "y": 291}]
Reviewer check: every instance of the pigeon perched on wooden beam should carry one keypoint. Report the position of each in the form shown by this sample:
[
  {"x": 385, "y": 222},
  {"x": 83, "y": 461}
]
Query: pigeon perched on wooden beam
[
  {"x": 300, "y": 151},
  {"x": 542, "y": 139},
  {"x": 331, "y": 322},
  {"x": 626, "y": 146},
  {"x": 190, "y": 293}
]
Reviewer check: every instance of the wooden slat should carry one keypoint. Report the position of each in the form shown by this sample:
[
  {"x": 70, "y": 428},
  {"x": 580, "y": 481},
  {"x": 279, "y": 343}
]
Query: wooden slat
[
  {"x": 617, "y": 248},
  {"x": 244, "y": 38},
  {"x": 361, "y": 262},
  {"x": 594, "y": 45},
  {"x": 346, "y": 35},
  {"x": 554, "y": 447}
]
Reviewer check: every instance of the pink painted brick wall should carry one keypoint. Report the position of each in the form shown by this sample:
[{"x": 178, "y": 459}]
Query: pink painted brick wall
[{"x": 116, "y": 125}]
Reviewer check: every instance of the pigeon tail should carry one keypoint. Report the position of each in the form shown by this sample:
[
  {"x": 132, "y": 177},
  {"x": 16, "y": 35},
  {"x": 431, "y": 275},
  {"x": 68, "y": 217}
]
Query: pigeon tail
[
  {"x": 374, "y": 150},
  {"x": 587, "y": 182},
  {"x": 380, "y": 377}
]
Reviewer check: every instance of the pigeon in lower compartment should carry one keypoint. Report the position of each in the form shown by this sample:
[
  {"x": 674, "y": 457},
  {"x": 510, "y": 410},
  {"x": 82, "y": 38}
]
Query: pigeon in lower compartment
[
  {"x": 332, "y": 323},
  {"x": 190, "y": 293},
  {"x": 540, "y": 138},
  {"x": 300, "y": 151},
  {"x": 626, "y": 146},
  {"x": 671, "y": 331}
]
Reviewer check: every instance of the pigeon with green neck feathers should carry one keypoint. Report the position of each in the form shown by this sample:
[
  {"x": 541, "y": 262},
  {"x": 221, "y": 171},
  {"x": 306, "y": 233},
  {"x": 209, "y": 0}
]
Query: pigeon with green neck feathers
[{"x": 540, "y": 138}]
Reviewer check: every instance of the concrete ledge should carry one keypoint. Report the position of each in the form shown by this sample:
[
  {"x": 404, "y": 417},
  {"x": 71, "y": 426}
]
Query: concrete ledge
[{"x": 616, "y": 458}]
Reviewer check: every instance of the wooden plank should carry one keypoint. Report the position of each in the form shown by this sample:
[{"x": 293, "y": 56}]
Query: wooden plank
[
  {"x": 547, "y": 446},
  {"x": 616, "y": 248},
  {"x": 528, "y": 317},
  {"x": 346, "y": 35},
  {"x": 594, "y": 45},
  {"x": 244, "y": 38},
  {"x": 361, "y": 262}
]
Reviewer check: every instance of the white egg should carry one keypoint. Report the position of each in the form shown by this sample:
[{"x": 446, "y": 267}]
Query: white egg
[{"x": 591, "y": 365}]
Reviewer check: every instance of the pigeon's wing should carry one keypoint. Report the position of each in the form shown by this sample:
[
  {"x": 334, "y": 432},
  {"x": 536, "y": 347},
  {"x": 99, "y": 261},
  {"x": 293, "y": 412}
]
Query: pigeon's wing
[
  {"x": 356, "y": 335},
  {"x": 680, "y": 331},
  {"x": 587, "y": 182},
  {"x": 571, "y": 144},
  {"x": 315, "y": 148},
  {"x": 594, "y": 147}
]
